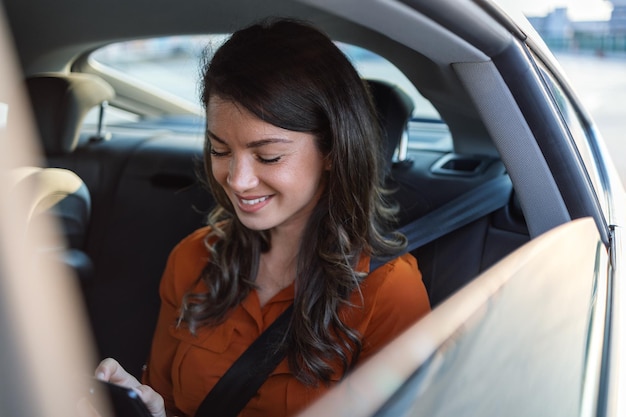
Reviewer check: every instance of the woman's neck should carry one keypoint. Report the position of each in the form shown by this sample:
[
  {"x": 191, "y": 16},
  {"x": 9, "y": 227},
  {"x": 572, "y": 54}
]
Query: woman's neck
[{"x": 277, "y": 267}]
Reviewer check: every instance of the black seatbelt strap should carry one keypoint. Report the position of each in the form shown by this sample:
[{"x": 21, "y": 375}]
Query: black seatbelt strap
[
  {"x": 244, "y": 378},
  {"x": 458, "y": 212}
]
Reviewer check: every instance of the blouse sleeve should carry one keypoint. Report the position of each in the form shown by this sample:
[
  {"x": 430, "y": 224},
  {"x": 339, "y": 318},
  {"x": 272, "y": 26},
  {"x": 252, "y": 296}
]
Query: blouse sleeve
[
  {"x": 181, "y": 271},
  {"x": 157, "y": 373},
  {"x": 400, "y": 301}
]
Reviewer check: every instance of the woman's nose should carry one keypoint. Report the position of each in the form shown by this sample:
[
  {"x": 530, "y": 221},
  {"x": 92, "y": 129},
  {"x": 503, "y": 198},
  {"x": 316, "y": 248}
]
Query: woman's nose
[{"x": 241, "y": 174}]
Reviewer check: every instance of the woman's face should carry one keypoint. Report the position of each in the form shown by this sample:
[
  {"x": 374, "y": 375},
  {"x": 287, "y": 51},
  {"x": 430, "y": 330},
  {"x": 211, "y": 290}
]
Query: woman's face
[{"x": 272, "y": 176}]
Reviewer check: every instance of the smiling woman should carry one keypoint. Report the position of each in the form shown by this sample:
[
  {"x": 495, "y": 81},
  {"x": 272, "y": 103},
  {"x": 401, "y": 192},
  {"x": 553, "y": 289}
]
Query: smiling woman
[
  {"x": 273, "y": 177},
  {"x": 294, "y": 162}
]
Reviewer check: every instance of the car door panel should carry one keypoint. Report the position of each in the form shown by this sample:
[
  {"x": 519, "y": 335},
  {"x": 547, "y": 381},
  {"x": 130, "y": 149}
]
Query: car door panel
[{"x": 528, "y": 315}]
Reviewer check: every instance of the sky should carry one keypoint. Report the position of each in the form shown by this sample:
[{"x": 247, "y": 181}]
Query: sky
[{"x": 577, "y": 9}]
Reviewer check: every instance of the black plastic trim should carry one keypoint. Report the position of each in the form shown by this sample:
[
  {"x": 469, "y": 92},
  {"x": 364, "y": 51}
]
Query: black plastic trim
[{"x": 529, "y": 92}]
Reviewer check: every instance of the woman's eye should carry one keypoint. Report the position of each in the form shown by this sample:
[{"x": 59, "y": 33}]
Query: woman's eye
[
  {"x": 217, "y": 153},
  {"x": 269, "y": 160}
]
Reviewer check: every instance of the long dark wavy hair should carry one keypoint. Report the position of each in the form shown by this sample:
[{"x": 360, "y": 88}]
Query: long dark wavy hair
[{"x": 293, "y": 76}]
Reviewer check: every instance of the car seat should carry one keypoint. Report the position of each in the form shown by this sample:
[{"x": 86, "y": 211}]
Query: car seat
[
  {"x": 62, "y": 194},
  {"x": 394, "y": 108},
  {"x": 60, "y": 103}
]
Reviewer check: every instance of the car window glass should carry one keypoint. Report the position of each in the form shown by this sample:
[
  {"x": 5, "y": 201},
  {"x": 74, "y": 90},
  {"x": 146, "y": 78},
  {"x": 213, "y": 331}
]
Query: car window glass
[
  {"x": 172, "y": 65},
  {"x": 578, "y": 133},
  {"x": 373, "y": 66}
]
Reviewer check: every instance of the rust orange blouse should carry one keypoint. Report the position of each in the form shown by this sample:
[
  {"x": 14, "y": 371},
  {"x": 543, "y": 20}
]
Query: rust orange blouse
[{"x": 183, "y": 368}]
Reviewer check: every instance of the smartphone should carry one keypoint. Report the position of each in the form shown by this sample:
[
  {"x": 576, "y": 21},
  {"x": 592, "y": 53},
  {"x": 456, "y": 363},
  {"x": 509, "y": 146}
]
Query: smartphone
[{"x": 124, "y": 402}]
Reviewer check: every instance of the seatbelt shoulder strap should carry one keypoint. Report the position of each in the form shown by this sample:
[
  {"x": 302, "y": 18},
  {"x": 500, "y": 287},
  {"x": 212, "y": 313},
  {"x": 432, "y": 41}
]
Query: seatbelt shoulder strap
[
  {"x": 246, "y": 375},
  {"x": 458, "y": 212}
]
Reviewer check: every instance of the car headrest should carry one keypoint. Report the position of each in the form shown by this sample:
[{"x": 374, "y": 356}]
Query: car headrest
[
  {"x": 62, "y": 194},
  {"x": 59, "y": 192},
  {"x": 394, "y": 108},
  {"x": 60, "y": 103}
]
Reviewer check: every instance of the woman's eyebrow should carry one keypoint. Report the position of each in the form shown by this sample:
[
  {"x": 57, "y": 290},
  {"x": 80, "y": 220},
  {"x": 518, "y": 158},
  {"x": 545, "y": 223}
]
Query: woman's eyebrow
[
  {"x": 268, "y": 141},
  {"x": 253, "y": 144},
  {"x": 213, "y": 136}
]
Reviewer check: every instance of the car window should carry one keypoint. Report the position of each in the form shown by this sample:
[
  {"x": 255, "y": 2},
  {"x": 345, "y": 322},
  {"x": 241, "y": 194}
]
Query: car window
[
  {"x": 582, "y": 141},
  {"x": 172, "y": 65},
  {"x": 373, "y": 66}
]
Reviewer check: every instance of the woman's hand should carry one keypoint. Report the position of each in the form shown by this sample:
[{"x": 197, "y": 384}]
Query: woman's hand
[{"x": 111, "y": 371}]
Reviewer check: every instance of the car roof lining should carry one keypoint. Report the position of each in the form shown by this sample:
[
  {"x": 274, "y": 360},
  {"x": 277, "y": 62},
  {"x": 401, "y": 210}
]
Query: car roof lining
[
  {"x": 426, "y": 42},
  {"x": 232, "y": 14}
]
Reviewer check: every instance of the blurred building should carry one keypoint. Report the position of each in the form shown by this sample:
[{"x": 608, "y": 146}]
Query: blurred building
[
  {"x": 597, "y": 36},
  {"x": 555, "y": 24},
  {"x": 618, "y": 17}
]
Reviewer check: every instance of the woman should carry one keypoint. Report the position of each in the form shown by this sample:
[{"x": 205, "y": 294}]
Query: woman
[{"x": 292, "y": 156}]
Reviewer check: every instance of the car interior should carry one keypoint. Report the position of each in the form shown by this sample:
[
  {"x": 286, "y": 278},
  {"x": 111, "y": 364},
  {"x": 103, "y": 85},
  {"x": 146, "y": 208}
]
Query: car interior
[
  {"x": 140, "y": 185},
  {"x": 146, "y": 195}
]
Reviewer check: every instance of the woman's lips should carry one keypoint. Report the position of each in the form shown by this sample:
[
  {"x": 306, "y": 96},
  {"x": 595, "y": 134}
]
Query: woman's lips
[{"x": 252, "y": 203}]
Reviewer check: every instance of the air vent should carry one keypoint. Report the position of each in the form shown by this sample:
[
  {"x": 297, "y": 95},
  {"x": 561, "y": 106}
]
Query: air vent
[{"x": 460, "y": 165}]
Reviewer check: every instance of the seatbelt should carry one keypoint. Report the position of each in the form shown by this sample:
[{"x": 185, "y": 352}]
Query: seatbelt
[
  {"x": 246, "y": 375},
  {"x": 244, "y": 378},
  {"x": 458, "y": 212}
]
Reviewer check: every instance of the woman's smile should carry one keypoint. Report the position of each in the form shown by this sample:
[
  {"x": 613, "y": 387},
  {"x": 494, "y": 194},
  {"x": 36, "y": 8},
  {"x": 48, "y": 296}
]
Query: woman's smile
[
  {"x": 273, "y": 177},
  {"x": 253, "y": 204}
]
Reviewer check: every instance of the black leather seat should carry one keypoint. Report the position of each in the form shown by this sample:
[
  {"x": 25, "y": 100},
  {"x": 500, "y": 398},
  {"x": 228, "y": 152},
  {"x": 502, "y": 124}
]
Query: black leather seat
[
  {"x": 60, "y": 103},
  {"x": 394, "y": 108},
  {"x": 453, "y": 260}
]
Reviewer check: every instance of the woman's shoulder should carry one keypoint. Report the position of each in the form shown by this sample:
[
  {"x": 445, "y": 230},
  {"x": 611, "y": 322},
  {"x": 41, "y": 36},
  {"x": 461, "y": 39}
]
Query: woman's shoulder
[
  {"x": 402, "y": 269},
  {"x": 185, "y": 262},
  {"x": 397, "y": 283},
  {"x": 193, "y": 242},
  {"x": 394, "y": 297}
]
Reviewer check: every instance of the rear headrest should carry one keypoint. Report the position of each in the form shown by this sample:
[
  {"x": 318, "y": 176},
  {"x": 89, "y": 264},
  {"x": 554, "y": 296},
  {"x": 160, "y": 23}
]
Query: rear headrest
[
  {"x": 60, "y": 103},
  {"x": 62, "y": 194},
  {"x": 59, "y": 192},
  {"x": 394, "y": 108}
]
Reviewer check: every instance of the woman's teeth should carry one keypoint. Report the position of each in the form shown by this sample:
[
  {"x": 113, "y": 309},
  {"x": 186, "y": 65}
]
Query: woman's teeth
[{"x": 255, "y": 201}]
